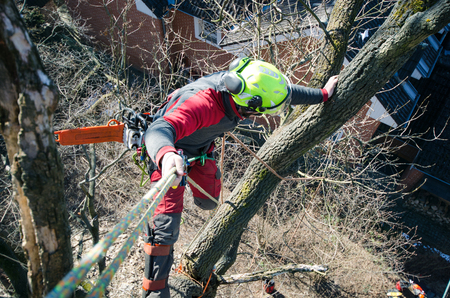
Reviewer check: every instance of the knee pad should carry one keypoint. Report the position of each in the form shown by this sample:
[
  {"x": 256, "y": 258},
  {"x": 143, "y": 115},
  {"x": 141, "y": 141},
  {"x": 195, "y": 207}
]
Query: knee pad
[{"x": 205, "y": 204}]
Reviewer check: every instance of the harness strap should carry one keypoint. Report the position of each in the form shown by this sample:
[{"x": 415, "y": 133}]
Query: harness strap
[
  {"x": 153, "y": 285},
  {"x": 157, "y": 250},
  {"x": 202, "y": 158}
]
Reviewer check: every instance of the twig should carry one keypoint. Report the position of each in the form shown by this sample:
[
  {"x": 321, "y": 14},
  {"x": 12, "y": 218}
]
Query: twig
[
  {"x": 318, "y": 21},
  {"x": 103, "y": 170},
  {"x": 267, "y": 166}
]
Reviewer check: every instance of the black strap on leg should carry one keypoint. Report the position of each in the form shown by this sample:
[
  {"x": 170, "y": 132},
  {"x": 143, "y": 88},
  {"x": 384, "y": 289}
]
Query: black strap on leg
[
  {"x": 153, "y": 250},
  {"x": 148, "y": 238}
]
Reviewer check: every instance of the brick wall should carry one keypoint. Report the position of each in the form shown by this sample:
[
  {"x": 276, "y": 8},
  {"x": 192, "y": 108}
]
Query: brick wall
[
  {"x": 144, "y": 38},
  {"x": 410, "y": 178},
  {"x": 144, "y": 32},
  {"x": 193, "y": 52},
  {"x": 364, "y": 125}
]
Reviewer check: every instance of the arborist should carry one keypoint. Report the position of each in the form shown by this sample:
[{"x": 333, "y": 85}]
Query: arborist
[{"x": 187, "y": 125}]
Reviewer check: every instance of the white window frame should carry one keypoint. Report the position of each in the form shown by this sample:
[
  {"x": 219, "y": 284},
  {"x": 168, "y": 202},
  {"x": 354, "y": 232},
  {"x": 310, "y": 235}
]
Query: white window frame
[
  {"x": 379, "y": 113},
  {"x": 423, "y": 68},
  {"x": 416, "y": 74},
  {"x": 410, "y": 90},
  {"x": 336, "y": 136},
  {"x": 199, "y": 25},
  {"x": 140, "y": 6},
  {"x": 434, "y": 42}
]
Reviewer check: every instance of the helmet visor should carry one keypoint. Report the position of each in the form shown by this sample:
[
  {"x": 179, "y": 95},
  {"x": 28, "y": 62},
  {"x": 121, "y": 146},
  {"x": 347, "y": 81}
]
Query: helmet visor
[{"x": 278, "y": 109}]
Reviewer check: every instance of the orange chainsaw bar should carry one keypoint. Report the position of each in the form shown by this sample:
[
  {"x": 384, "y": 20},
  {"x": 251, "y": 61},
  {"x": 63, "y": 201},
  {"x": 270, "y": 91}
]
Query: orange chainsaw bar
[{"x": 90, "y": 135}]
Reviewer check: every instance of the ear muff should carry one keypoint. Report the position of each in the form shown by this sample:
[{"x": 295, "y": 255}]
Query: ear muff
[
  {"x": 234, "y": 83},
  {"x": 233, "y": 80},
  {"x": 238, "y": 64}
]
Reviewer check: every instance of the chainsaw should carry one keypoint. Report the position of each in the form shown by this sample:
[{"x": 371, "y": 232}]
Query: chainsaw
[{"x": 130, "y": 131}]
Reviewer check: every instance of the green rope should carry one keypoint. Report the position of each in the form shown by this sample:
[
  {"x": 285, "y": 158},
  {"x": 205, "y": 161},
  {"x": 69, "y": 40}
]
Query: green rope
[
  {"x": 106, "y": 277},
  {"x": 142, "y": 168},
  {"x": 202, "y": 159},
  {"x": 66, "y": 286}
]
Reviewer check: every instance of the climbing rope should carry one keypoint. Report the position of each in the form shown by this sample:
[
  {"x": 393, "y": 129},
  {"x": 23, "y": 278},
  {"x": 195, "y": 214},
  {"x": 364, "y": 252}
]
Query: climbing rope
[
  {"x": 66, "y": 286},
  {"x": 207, "y": 283},
  {"x": 192, "y": 182},
  {"x": 108, "y": 274}
]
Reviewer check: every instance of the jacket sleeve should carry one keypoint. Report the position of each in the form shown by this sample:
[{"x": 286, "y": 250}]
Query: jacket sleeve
[
  {"x": 301, "y": 95},
  {"x": 186, "y": 114},
  {"x": 159, "y": 140}
]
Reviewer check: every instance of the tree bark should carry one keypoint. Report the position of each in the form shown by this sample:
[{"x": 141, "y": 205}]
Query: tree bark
[
  {"x": 368, "y": 72},
  {"x": 331, "y": 57},
  {"x": 28, "y": 100}
]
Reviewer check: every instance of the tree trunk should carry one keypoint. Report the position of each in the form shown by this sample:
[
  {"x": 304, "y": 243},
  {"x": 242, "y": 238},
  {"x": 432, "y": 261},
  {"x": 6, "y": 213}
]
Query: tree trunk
[
  {"x": 28, "y": 100},
  {"x": 368, "y": 72},
  {"x": 331, "y": 56}
]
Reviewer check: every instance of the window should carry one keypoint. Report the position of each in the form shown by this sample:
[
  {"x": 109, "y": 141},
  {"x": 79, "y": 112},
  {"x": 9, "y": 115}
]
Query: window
[
  {"x": 336, "y": 136},
  {"x": 410, "y": 90},
  {"x": 207, "y": 32},
  {"x": 434, "y": 42},
  {"x": 142, "y": 7}
]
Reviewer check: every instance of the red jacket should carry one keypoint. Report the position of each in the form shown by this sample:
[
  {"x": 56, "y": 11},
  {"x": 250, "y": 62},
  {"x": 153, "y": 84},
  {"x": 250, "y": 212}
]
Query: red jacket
[{"x": 195, "y": 115}]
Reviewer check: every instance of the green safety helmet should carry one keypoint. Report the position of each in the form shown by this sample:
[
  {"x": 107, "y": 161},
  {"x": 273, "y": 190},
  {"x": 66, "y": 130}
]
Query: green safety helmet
[{"x": 257, "y": 85}]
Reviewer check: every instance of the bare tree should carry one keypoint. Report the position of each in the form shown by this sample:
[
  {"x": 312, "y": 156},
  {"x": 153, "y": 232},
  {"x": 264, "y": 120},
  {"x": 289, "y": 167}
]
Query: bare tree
[
  {"x": 28, "y": 101},
  {"x": 390, "y": 47},
  {"x": 384, "y": 54}
]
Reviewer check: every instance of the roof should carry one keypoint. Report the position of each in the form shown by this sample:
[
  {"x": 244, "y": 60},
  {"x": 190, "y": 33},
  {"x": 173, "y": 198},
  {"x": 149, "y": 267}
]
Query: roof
[
  {"x": 280, "y": 17},
  {"x": 433, "y": 89},
  {"x": 201, "y": 9},
  {"x": 158, "y": 7},
  {"x": 397, "y": 95},
  {"x": 287, "y": 14},
  {"x": 434, "y": 157},
  {"x": 207, "y": 10},
  {"x": 396, "y": 100}
]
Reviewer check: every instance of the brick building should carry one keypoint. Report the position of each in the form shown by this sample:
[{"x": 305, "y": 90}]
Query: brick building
[
  {"x": 191, "y": 36},
  {"x": 194, "y": 40}
]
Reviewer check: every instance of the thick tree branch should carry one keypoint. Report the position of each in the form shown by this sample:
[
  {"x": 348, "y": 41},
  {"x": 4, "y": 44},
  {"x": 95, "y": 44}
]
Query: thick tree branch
[{"x": 262, "y": 275}]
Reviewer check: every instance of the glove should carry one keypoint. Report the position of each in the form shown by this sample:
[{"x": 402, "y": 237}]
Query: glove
[{"x": 132, "y": 137}]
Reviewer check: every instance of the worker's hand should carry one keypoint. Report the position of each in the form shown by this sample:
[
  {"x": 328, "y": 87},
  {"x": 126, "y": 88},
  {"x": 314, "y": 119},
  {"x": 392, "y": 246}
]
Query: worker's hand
[
  {"x": 169, "y": 161},
  {"x": 330, "y": 85}
]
